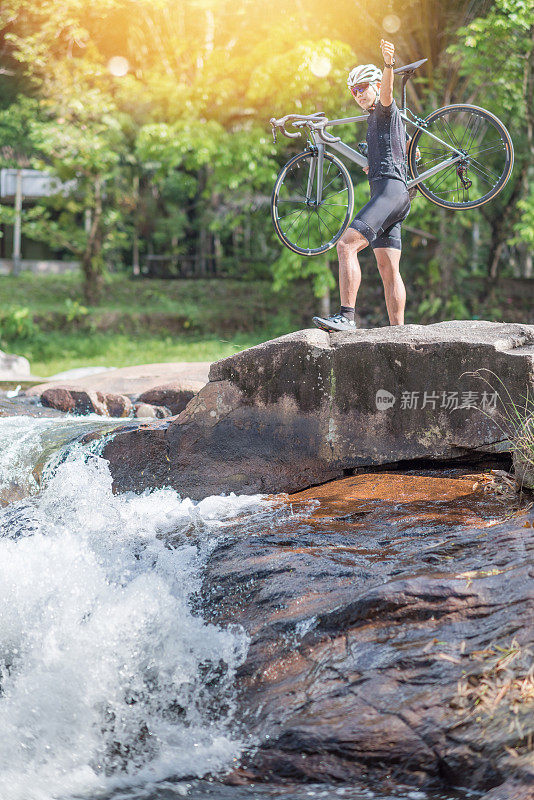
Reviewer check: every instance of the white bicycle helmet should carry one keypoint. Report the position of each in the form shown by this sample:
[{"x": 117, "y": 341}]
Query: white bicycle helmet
[{"x": 364, "y": 73}]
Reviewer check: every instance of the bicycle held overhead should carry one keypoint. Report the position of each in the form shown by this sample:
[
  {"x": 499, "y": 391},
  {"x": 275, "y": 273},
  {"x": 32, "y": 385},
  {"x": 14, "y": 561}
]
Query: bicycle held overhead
[{"x": 459, "y": 157}]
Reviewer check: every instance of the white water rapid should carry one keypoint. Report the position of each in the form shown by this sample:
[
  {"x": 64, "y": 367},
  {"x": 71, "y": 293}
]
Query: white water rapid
[{"x": 108, "y": 677}]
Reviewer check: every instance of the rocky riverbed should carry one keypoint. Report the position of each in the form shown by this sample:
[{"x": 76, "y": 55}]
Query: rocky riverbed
[
  {"x": 148, "y": 391},
  {"x": 392, "y": 635}
]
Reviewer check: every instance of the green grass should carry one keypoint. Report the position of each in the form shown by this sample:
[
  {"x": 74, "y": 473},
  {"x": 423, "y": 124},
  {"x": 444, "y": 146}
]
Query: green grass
[
  {"x": 62, "y": 352},
  {"x": 142, "y": 321},
  {"x": 221, "y": 298}
]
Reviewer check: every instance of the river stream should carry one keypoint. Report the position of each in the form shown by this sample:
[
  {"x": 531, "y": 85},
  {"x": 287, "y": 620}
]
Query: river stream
[{"x": 112, "y": 684}]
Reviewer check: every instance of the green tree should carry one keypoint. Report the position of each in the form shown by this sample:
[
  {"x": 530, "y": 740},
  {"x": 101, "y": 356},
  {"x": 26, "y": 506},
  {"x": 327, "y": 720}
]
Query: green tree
[
  {"x": 495, "y": 54},
  {"x": 86, "y": 216}
]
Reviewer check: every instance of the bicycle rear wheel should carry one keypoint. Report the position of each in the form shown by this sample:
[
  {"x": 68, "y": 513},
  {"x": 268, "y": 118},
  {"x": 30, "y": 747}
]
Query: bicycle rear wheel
[
  {"x": 487, "y": 163},
  {"x": 301, "y": 224}
]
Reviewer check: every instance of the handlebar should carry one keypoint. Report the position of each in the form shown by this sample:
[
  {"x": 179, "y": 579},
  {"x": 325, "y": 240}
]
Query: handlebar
[{"x": 315, "y": 122}]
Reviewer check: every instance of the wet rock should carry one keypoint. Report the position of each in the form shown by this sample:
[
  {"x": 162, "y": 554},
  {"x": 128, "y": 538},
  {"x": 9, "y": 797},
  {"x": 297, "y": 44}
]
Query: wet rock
[
  {"x": 304, "y": 408},
  {"x": 378, "y": 620},
  {"x": 174, "y": 396},
  {"x": 75, "y": 401},
  {"x": 60, "y": 399},
  {"x": 150, "y": 440},
  {"x": 118, "y": 405},
  {"x": 147, "y": 411},
  {"x": 80, "y": 402},
  {"x": 512, "y": 790}
]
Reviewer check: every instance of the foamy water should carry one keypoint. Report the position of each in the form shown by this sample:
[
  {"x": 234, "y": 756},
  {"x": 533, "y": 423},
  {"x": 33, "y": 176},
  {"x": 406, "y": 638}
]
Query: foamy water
[
  {"x": 108, "y": 676},
  {"x": 28, "y": 443}
]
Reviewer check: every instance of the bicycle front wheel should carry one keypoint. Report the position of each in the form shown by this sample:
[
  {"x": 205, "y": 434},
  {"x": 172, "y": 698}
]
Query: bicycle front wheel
[
  {"x": 304, "y": 225},
  {"x": 488, "y": 156}
]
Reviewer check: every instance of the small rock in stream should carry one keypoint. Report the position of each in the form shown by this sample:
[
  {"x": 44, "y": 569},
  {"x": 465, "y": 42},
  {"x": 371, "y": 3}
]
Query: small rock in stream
[
  {"x": 174, "y": 396},
  {"x": 147, "y": 411},
  {"x": 77, "y": 401}
]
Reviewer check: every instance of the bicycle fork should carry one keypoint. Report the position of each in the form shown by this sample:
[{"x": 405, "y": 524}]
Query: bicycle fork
[{"x": 316, "y": 165}]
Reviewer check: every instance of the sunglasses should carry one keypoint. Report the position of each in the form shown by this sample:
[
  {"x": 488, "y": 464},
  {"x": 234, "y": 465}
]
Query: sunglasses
[{"x": 359, "y": 88}]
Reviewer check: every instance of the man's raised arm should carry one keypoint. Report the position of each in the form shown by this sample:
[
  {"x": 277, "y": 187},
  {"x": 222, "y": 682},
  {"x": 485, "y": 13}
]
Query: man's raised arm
[{"x": 386, "y": 87}]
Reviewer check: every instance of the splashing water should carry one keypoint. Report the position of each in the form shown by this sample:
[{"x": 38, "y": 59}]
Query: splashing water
[
  {"x": 26, "y": 444},
  {"x": 107, "y": 676}
]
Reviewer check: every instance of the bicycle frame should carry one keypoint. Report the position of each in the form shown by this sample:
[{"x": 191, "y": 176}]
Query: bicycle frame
[{"x": 353, "y": 155}]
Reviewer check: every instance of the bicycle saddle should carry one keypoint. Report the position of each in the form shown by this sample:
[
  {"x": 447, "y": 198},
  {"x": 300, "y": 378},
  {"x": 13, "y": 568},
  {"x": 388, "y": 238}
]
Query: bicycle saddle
[{"x": 409, "y": 68}]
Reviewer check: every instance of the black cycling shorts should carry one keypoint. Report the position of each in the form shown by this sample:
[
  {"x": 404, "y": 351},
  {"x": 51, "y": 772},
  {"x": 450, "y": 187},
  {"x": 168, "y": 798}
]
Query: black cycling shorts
[{"x": 380, "y": 219}]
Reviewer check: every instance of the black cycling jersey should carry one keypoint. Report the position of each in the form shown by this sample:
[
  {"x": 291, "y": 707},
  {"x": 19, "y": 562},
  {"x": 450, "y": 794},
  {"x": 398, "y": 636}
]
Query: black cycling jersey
[
  {"x": 380, "y": 219},
  {"x": 386, "y": 143}
]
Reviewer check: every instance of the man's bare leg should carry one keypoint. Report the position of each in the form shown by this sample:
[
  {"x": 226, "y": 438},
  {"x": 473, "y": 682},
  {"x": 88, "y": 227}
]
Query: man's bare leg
[
  {"x": 388, "y": 259},
  {"x": 350, "y": 274}
]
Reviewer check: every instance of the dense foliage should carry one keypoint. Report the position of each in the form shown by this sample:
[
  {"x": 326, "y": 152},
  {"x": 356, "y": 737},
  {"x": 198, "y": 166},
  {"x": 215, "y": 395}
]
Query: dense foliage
[{"x": 175, "y": 156}]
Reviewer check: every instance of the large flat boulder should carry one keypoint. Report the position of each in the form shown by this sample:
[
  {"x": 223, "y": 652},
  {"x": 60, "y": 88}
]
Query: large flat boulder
[{"x": 303, "y": 408}]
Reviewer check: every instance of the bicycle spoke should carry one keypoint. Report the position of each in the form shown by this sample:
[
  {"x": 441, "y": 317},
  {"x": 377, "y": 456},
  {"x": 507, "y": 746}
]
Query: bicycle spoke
[
  {"x": 472, "y": 131},
  {"x": 451, "y": 134},
  {"x": 446, "y": 172},
  {"x": 319, "y": 224},
  {"x": 482, "y": 175},
  {"x": 333, "y": 216},
  {"x": 326, "y": 226},
  {"x": 450, "y": 191},
  {"x": 295, "y": 220},
  {"x": 302, "y": 229},
  {"x": 476, "y": 127},
  {"x": 430, "y": 151},
  {"x": 304, "y": 186},
  {"x": 430, "y": 162},
  {"x": 483, "y": 167},
  {"x": 300, "y": 179},
  {"x": 296, "y": 211},
  {"x": 466, "y": 131},
  {"x": 334, "y": 194},
  {"x": 328, "y": 184},
  {"x": 432, "y": 156},
  {"x": 498, "y": 145}
]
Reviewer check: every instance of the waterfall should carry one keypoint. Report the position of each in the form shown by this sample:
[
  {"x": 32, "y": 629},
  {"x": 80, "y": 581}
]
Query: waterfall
[{"x": 108, "y": 676}]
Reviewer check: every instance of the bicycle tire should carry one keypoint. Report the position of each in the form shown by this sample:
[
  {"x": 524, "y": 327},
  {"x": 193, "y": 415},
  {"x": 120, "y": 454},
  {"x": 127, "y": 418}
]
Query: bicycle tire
[
  {"x": 340, "y": 219},
  {"x": 489, "y": 177}
]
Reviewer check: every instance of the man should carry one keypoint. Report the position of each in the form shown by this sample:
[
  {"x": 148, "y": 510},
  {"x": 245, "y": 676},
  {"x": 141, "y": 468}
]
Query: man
[{"x": 378, "y": 223}]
